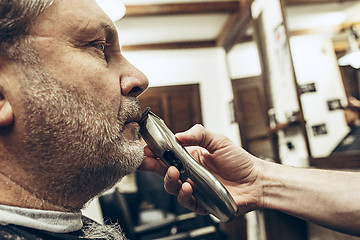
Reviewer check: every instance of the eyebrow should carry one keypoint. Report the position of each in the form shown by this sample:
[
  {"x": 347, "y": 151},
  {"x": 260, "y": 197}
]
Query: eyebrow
[
  {"x": 94, "y": 29},
  {"x": 110, "y": 30}
]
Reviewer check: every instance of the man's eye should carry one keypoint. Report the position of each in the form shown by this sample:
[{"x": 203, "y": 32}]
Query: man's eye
[{"x": 100, "y": 46}]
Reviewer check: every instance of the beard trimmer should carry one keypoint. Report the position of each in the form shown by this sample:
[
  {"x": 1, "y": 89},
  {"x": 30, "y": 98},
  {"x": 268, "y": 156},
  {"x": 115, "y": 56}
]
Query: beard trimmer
[{"x": 207, "y": 190}]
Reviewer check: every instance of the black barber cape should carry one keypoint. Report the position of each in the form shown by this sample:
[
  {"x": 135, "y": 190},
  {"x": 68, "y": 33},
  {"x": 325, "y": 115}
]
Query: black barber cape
[
  {"x": 351, "y": 142},
  {"x": 14, "y": 232}
]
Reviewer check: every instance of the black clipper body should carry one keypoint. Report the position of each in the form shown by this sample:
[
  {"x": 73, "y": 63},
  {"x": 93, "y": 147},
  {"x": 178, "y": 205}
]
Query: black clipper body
[{"x": 208, "y": 191}]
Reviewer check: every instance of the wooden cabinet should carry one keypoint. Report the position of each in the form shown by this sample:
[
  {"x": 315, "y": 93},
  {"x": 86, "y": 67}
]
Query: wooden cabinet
[
  {"x": 179, "y": 106},
  {"x": 251, "y": 115},
  {"x": 251, "y": 107}
]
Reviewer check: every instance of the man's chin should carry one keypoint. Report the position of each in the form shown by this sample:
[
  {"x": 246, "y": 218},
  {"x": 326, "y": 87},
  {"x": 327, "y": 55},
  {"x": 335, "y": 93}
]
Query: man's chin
[{"x": 133, "y": 156}]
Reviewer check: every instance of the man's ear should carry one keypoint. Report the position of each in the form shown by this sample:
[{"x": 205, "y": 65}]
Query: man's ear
[{"x": 6, "y": 112}]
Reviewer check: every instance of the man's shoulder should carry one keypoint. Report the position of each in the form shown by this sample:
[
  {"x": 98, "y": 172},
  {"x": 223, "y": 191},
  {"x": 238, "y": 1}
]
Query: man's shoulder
[{"x": 14, "y": 232}]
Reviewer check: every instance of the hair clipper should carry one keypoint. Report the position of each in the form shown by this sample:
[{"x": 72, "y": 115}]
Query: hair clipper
[{"x": 208, "y": 191}]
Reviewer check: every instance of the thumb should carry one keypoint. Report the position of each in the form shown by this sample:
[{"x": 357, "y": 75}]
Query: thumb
[{"x": 198, "y": 136}]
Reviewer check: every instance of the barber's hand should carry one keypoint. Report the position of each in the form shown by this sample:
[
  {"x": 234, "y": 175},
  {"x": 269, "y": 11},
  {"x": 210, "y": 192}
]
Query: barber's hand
[
  {"x": 152, "y": 163},
  {"x": 236, "y": 169}
]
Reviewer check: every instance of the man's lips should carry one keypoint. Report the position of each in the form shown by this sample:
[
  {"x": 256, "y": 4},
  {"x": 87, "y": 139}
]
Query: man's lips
[{"x": 133, "y": 119}]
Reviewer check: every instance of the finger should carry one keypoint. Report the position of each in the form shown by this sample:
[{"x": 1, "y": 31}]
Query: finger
[
  {"x": 199, "y": 136},
  {"x": 172, "y": 184},
  {"x": 153, "y": 165},
  {"x": 185, "y": 197},
  {"x": 190, "y": 137},
  {"x": 148, "y": 152}
]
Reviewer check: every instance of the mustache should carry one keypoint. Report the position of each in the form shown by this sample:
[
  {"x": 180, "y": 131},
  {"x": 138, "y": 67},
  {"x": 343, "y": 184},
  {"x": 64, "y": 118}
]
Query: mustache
[{"x": 130, "y": 110}]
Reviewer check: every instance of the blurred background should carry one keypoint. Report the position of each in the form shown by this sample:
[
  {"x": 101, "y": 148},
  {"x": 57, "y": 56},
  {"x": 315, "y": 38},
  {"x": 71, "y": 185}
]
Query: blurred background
[{"x": 275, "y": 76}]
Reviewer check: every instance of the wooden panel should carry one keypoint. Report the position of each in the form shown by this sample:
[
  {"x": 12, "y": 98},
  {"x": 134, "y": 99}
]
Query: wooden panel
[
  {"x": 179, "y": 106},
  {"x": 296, "y": 2},
  {"x": 262, "y": 147},
  {"x": 251, "y": 115},
  {"x": 170, "y": 45},
  {"x": 156, "y": 103},
  {"x": 182, "y": 8},
  {"x": 249, "y": 104},
  {"x": 236, "y": 26}
]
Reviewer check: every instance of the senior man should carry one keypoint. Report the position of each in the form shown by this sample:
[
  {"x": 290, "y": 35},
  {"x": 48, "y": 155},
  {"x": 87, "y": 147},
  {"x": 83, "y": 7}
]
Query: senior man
[{"x": 68, "y": 112}]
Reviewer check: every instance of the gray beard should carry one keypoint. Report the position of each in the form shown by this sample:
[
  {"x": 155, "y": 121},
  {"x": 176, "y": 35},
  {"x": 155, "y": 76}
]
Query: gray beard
[
  {"x": 74, "y": 148},
  {"x": 105, "y": 232}
]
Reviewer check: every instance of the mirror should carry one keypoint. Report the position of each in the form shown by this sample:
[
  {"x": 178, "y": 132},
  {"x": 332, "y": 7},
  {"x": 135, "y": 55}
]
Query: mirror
[
  {"x": 323, "y": 85},
  {"x": 320, "y": 89}
]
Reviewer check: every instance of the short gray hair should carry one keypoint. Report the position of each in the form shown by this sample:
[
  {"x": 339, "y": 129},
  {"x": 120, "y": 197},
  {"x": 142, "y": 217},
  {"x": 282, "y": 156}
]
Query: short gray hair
[{"x": 16, "y": 19}]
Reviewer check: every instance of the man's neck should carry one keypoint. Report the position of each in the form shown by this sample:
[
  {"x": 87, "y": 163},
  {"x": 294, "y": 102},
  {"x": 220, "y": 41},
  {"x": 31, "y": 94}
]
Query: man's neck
[{"x": 13, "y": 194}]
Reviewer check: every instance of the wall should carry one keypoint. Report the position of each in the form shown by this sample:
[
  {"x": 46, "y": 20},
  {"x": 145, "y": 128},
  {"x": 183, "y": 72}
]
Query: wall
[{"x": 243, "y": 61}]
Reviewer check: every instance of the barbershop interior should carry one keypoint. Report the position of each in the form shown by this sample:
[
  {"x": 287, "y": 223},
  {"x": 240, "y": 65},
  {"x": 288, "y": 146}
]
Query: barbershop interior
[{"x": 274, "y": 76}]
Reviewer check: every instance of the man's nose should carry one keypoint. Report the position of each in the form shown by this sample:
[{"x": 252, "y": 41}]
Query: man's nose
[{"x": 133, "y": 82}]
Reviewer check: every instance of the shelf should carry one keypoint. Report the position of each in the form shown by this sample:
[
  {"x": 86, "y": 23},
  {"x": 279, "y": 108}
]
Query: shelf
[{"x": 282, "y": 126}]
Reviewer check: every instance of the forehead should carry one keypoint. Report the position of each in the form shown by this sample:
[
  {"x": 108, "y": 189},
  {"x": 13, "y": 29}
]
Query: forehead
[{"x": 72, "y": 17}]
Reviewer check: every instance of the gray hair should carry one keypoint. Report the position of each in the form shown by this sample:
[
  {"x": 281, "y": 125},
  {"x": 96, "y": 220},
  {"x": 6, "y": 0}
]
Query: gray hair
[{"x": 16, "y": 19}]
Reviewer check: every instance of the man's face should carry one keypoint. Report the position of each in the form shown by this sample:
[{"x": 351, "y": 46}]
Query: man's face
[{"x": 80, "y": 130}]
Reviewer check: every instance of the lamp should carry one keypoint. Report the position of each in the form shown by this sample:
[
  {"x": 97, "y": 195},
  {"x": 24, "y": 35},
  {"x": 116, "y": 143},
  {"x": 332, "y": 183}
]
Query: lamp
[
  {"x": 115, "y": 9},
  {"x": 352, "y": 56}
]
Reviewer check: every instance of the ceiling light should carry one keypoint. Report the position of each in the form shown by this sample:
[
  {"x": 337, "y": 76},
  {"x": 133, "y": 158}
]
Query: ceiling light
[
  {"x": 352, "y": 56},
  {"x": 115, "y": 9}
]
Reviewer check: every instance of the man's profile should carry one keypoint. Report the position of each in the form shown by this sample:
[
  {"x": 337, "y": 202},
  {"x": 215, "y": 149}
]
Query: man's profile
[{"x": 68, "y": 112}]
